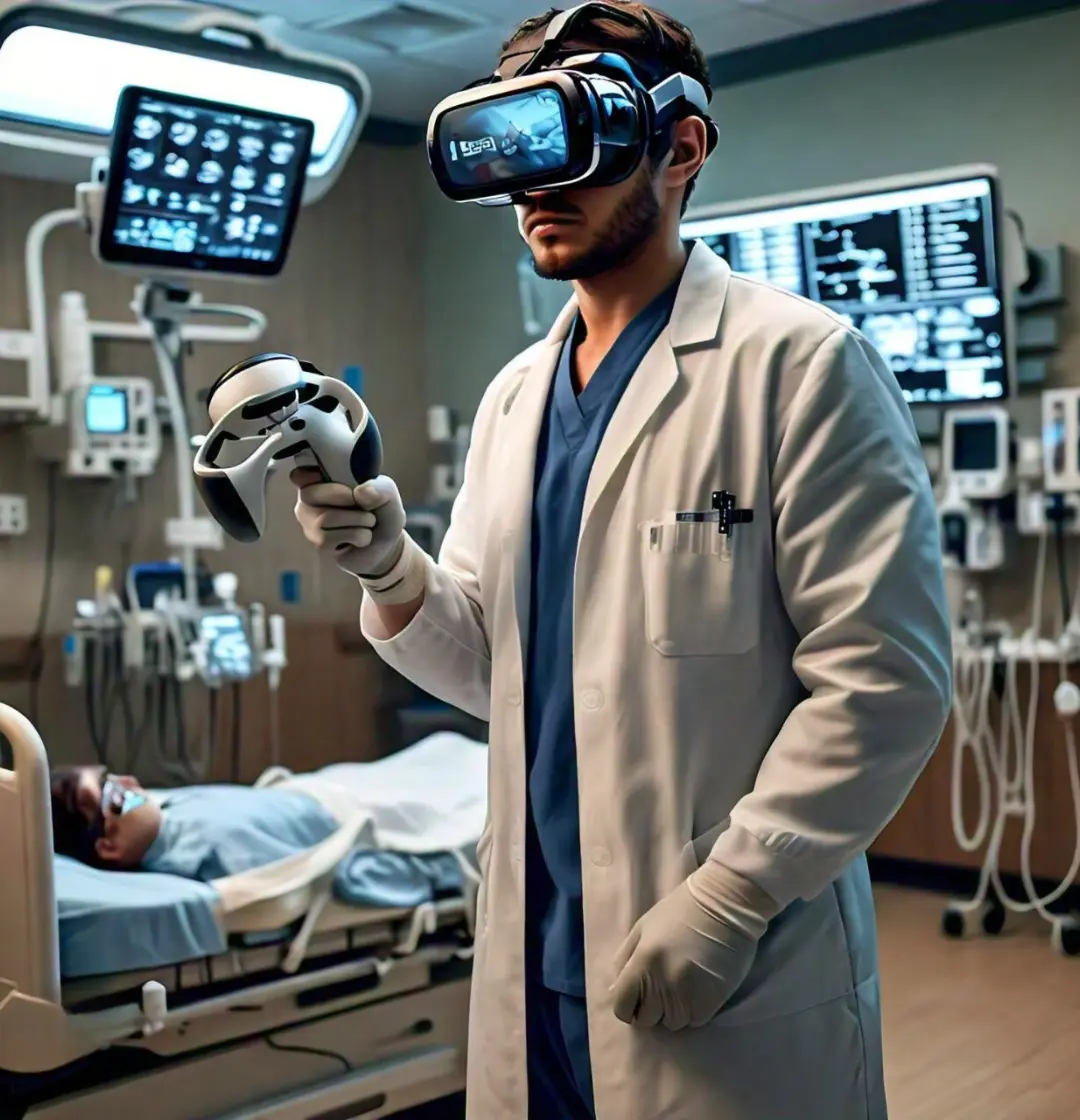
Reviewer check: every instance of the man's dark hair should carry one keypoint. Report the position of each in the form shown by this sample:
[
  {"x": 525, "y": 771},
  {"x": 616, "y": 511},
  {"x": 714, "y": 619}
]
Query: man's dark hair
[
  {"x": 73, "y": 835},
  {"x": 655, "y": 41}
]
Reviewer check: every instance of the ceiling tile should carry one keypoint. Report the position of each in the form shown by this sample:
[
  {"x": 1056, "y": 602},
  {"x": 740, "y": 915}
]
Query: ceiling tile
[
  {"x": 303, "y": 12},
  {"x": 744, "y": 26},
  {"x": 476, "y": 52},
  {"x": 824, "y": 13},
  {"x": 405, "y": 91}
]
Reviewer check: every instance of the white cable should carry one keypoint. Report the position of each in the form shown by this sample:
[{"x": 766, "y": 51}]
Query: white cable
[
  {"x": 973, "y": 674},
  {"x": 1035, "y": 901},
  {"x": 1017, "y": 789}
]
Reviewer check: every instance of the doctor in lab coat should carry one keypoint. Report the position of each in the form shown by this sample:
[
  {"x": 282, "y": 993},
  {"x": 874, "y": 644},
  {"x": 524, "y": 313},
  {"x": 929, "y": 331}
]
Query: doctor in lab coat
[{"x": 738, "y": 720}]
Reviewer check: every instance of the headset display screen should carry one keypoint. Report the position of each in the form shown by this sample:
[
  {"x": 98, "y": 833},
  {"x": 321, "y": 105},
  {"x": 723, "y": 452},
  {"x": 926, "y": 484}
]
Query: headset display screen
[
  {"x": 203, "y": 186},
  {"x": 505, "y": 138}
]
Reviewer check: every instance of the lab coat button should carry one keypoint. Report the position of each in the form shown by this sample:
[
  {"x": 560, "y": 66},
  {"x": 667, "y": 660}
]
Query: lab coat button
[
  {"x": 600, "y": 857},
  {"x": 513, "y": 699},
  {"x": 591, "y": 699}
]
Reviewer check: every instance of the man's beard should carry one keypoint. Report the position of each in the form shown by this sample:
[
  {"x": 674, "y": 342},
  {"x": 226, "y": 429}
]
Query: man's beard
[{"x": 634, "y": 221}]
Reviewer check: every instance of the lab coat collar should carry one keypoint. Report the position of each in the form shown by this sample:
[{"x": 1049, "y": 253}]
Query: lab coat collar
[{"x": 695, "y": 319}]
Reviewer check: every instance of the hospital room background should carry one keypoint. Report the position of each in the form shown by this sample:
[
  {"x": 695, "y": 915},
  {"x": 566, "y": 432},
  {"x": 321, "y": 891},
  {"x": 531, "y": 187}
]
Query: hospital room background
[{"x": 417, "y": 302}]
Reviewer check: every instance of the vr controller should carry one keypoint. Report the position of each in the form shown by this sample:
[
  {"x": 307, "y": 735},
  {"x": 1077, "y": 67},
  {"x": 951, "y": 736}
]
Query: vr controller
[{"x": 277, "y": 407}]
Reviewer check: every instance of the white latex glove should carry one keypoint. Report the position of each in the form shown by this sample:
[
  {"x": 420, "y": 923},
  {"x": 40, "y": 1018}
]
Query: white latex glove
[
  {"x": 363, "y": 526},
  {"x": 687, "y": 956}
]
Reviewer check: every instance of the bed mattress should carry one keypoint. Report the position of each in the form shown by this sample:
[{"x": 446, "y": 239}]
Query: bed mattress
[{"x": 118, "y": 922}]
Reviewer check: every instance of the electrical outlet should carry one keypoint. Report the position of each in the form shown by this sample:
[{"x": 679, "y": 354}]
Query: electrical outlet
[
  {"x": 16, "y": 346},
  {"x": 12, "y": 515}
]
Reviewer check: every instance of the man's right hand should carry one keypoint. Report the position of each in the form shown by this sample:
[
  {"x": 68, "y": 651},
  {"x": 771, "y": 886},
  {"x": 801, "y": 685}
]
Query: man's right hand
[{"x": 362, "y": 526}]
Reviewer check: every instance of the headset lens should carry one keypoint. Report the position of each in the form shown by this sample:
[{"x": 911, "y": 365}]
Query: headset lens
[{"x": 519, "y": 136}]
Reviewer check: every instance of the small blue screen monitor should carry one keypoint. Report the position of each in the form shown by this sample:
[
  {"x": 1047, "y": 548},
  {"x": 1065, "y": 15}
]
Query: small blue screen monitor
[
  {"x": 106, "y": 411},
  {"x": 202, "y": 186},
  {"x": 505, "y": 138},
  {"x": 917, "y": 269}
]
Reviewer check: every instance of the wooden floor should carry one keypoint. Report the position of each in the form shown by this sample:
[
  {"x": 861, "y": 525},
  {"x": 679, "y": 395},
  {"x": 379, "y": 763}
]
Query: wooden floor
[{"x": 978, "y": 1029}]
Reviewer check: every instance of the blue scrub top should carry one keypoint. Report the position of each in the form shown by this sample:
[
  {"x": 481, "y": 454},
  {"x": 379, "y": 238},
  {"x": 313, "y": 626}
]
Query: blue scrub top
[{"x": 570, "y": 436}]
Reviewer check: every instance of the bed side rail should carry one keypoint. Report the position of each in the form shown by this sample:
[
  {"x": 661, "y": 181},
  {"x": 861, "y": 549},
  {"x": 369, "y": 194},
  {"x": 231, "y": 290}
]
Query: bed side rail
[{"x": 29, "y": 935}]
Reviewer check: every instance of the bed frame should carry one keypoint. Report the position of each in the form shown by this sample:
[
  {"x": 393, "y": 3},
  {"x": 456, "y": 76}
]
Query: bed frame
[{"x": 374, "y": 1020}]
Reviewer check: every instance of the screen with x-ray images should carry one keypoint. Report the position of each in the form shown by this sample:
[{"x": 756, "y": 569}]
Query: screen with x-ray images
[{"x": 203, "y": 186}]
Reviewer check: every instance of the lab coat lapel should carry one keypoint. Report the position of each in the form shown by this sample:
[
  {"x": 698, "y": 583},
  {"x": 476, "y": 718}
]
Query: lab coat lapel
[
  {"x": 524, "y": 409},
  {"x": 695, "y": 321}
]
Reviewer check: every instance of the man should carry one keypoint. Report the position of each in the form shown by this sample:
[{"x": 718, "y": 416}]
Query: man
[
  {"x": 694, "y": 737},
  {"x": 421, "y": 804},
  {"x": 199, "y": 832}
]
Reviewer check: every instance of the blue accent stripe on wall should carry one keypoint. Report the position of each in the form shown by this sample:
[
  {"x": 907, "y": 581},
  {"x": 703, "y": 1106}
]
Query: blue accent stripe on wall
[{"x": 902, "y": 28}]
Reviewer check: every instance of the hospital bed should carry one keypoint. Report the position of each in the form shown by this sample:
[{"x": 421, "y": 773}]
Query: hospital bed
[{"x": 121, "y": 998}]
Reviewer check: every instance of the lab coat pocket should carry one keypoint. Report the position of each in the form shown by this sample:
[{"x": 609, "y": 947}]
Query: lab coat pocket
[{"x": 701, "y": 591}]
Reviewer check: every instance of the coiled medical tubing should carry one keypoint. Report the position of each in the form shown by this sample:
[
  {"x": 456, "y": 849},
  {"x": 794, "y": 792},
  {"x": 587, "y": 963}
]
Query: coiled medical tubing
[{"x": 1006, "y": 761}]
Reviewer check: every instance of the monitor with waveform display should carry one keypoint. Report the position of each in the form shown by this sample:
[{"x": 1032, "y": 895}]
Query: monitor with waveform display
[{"x": 915, "y": 266}]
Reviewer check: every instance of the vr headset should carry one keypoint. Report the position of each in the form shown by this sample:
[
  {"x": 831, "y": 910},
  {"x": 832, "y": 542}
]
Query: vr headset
[{"x": 565, "y": 118}]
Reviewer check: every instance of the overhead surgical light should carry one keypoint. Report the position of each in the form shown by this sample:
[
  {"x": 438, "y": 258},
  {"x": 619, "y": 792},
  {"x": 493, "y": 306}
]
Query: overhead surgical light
[{"x": 63, "y": 68}]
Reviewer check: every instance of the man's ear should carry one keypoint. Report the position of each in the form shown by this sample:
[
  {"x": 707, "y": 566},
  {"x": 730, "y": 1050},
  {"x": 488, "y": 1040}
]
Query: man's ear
[
  {"x": 108, "y": 851},
  {"x": 689, "y": 150}
]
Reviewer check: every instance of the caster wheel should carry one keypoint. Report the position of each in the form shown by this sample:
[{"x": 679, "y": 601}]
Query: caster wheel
[
  {"x": 993, "y": 920},
  {"x": 1065, "y": 937},
  {"x": 952, "y": 923}
]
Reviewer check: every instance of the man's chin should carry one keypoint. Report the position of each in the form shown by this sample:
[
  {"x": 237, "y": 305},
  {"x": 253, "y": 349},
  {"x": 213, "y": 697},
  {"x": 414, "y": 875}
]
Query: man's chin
[
  {"x": 586, "y": 264},
  {"x": 579, "y": 266}
]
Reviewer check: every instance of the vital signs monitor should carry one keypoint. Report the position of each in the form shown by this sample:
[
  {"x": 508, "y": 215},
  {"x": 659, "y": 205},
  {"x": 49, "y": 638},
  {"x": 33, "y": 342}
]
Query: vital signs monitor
[
  {"x": 915, "y": 267},
  {"x": 202, "y": 186}
]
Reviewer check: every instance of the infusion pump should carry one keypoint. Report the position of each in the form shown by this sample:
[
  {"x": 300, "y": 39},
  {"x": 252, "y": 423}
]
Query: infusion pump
[
  {"x": 976, "y": 459},
  {"x": 977, "y": 481},
  {"x": 114, "y": 428}
]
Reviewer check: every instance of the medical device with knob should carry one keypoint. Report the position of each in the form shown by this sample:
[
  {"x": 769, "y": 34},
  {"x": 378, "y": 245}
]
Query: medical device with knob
[{"x": 278, "y": 407}]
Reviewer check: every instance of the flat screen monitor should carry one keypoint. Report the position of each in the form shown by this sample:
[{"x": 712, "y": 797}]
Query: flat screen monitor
[
  {"x": 916, "y": 268},
  {"x": 201, "y": 186}
]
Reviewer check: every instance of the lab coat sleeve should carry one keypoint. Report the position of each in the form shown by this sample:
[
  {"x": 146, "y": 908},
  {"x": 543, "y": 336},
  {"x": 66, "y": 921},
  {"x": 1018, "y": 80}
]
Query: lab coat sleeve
[
  {"x": 445, "y": 649},
  {"x": 858, "y": 562}
]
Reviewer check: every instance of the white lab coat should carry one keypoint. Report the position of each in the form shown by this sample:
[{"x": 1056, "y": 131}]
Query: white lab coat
[{"x": 774, "y": 709}]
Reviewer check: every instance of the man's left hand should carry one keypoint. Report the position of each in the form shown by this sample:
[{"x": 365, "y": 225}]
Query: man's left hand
[{"x": 689, "y": 954}]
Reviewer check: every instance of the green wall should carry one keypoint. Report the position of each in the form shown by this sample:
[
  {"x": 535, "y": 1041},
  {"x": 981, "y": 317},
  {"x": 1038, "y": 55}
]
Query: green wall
[{"x": 1009, "y": 95}]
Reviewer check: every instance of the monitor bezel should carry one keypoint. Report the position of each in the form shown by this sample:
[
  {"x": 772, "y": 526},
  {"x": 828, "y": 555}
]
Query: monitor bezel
[
  {"x": 192, "y": 264},
  {"x": 886, "y": 185}
]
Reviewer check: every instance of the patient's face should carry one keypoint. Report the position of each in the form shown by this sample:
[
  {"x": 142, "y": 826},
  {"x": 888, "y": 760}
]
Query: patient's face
[{"x": 128, "y": 823}]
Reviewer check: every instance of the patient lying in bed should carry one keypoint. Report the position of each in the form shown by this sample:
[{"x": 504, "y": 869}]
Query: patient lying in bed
[
  {"x": 428, "y": 799},
  {"x": 200, "y": 832}
]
